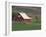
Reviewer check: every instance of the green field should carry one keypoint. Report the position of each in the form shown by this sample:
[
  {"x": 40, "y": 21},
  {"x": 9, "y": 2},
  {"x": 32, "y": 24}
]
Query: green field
[{"x": 22, "y": 26}]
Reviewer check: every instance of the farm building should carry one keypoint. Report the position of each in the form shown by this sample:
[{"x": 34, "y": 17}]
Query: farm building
[{"x": 23, "y": 18}]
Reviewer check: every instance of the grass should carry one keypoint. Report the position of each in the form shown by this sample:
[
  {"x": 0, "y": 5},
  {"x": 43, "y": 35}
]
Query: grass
[{"x": 21, "y": 26}]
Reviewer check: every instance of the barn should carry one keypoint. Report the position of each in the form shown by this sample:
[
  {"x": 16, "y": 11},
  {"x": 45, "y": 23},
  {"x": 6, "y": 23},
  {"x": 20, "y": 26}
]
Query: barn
[{"x": 23, "y": 18}]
